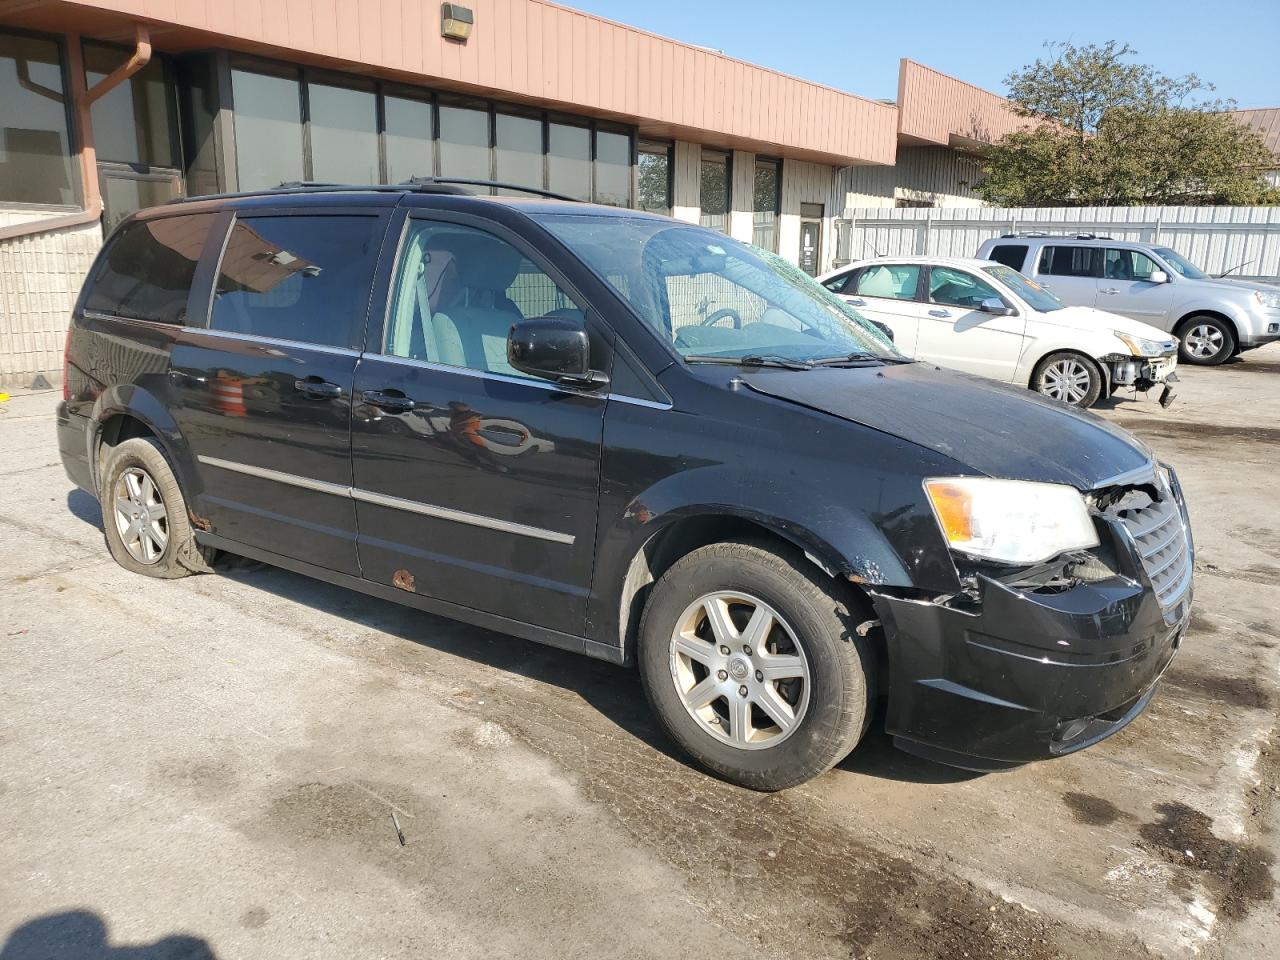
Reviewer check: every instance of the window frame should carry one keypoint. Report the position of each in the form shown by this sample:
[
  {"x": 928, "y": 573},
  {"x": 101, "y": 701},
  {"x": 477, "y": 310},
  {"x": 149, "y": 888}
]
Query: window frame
[
  {"x": 170, "y": 79},
  {"x": 75, "y": 142},
  {"x": 776, "y": 163},
  {"x": 599, "y": 333},
  {"x": 210, "y": 285}
]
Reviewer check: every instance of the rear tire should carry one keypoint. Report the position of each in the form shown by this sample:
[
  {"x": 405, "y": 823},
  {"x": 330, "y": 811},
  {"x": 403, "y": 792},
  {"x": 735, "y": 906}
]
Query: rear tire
[
  {"x": 1071, "y": 378},
  {"x": 144, "y": 514},
  {"x": 1206, "y": 341},
  {"x": 807, "y": 676}
]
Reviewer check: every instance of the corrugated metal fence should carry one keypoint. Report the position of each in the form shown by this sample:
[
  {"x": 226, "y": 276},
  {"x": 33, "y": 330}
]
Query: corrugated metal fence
[{"x": 1245, "y": 240}]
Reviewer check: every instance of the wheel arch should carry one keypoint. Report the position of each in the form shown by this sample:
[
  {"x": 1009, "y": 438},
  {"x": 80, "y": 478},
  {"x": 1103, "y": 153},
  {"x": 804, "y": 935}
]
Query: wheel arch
[
  {"x": 127, "y": 411},
  {"x": 1073, "y": 349},
  {"x": 1185, "y": 320}
]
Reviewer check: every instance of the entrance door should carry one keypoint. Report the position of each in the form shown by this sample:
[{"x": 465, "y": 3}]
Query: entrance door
[
  {"x": 810, "y": 237},
  {"x": 263, "y": 396},
  {"x": 474, "y": 483}
]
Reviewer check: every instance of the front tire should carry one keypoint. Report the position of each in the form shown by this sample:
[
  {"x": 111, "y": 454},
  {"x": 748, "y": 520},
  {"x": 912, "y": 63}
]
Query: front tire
[
  {"x": 752, "y": 665},
  {"x": 144, "y": 514},
  {"x": 1206, "y": 341},
  {"x": 1071, "y": 378}
]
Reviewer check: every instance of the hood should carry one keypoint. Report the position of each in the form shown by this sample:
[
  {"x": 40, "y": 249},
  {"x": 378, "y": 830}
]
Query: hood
[
  {"x": 1227, "y": 283},
  {"x": 992, "y": 428},
  {"x": 1095, "y": 320}
]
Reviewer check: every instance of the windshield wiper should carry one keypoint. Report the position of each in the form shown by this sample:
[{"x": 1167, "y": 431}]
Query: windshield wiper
[
  {"x": 755, "y": 360},
  {"x": 858, "y": 357}
]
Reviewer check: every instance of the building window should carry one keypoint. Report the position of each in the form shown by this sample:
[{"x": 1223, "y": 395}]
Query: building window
[
  {"x": 767, "y": 205},
  {"x": 134, "y": 122},
  {"x": 518, "y": 150},
  {"x": 344, "y": 133},
  {"x": 268, "y": 128},
  {"x": 408, "y": 136},
  {"x": 464, "y": 142},
  {"x": 569, "y": 160},
  {"x": 35, "y": 142},
  {"x": 653, "y": 177},
  {"x": 715, "y": 190},
  {"x": 613, "y": 168}
]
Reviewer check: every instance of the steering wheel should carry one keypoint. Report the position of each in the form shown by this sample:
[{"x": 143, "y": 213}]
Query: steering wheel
[{"x": 711, "y": 319}]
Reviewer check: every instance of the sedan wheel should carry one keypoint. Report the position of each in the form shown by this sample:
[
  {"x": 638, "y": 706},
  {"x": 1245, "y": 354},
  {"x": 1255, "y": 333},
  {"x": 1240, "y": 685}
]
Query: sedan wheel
[
  {"x": 1068, "y": 378},
  {"x": 140, "y": 516},
  {"x": 739, "y": 670}
]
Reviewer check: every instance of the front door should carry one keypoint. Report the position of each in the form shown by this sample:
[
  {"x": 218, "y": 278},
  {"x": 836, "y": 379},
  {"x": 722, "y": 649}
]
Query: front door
[
  {"x": 889, "y": 293},
  {"x": 475, "y": 484},
  {"x": 810, "y": 237},
  {"x": 1126, "y": 288},
  {"x": 956, "y": 333},
  {"x": 263, "y": 396}
]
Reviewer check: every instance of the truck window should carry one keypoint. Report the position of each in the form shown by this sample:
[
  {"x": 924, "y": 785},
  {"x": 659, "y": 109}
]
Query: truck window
[
  {"x": 145, "y": 273},
  {"x": 303, "y": 278},
  {"x": 1071, "y": 261},
  {"x": 1012, "y": 255}
]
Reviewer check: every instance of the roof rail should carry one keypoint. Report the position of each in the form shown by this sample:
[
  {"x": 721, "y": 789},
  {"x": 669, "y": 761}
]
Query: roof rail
[
  {"x": 444, "y": 185},
  {"x": 1040, "y": 234}
]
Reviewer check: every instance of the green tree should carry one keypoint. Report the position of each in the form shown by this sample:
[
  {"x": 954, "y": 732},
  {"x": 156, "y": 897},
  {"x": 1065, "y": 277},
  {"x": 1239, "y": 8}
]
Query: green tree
[{"x": 1105, "y": 131}]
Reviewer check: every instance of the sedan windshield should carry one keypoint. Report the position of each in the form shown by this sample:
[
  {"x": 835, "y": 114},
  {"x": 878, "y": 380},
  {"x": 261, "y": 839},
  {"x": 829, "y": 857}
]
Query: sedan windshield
[
  {"x": 1036, "y": 296},
  {"x": 1179, "y": 263},
  {"x": 716, "y": 299}
]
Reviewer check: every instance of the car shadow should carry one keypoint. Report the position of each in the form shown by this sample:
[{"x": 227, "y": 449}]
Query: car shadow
[
  {"x": 84, "y": 507},
  {"x": 83, "y": 934},
  {"x": 614, "y": 692}
]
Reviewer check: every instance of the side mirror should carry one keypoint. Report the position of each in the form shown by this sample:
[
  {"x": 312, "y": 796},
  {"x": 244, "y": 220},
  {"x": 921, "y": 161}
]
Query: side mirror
[
  {"x": 552, "y": 348},
  {"x": 996, "y": 307},
  {"x": 1158, "y": 276}
]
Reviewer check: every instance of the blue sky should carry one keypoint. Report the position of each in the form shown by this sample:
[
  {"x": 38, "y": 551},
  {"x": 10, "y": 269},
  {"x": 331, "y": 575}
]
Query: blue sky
[{"x": 855, "y": 44}]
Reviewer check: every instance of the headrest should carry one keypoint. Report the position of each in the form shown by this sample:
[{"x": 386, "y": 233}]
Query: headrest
[{"x": 483, "y": 262}]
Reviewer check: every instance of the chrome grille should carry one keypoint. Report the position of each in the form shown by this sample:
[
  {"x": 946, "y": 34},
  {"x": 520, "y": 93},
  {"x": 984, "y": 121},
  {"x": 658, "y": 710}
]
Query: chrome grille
[{"x": 1161, "y": 538}]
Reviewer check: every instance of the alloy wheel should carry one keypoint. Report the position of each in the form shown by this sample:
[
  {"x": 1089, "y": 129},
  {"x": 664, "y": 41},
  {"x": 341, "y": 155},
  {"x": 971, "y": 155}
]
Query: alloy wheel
[
  {"x": 1203, "y": 341},
  {"x": 1067, "y": 380},
  {"x": 739, "y": 670},
  {"x": 140, "y": 515}
]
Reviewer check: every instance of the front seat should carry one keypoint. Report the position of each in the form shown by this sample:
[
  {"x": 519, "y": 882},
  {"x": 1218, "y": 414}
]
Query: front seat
[{"x": 471, "y": 329}]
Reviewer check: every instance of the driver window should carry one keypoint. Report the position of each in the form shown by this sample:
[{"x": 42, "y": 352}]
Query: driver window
[
  {"x": 956, "y": 288},
  {"x": 1128, "y": 265},
  {"x": 457, "y": 292}
]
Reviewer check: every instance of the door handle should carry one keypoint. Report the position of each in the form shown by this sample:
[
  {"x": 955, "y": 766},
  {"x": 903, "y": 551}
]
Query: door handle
[
  {"x": 318, "y": 389},
  {"x": 1109, "y": 290},
  {"x": 939, "y": 313},
  {"x": 386, "y": 400},
  {"x": 856, "y": 302}
]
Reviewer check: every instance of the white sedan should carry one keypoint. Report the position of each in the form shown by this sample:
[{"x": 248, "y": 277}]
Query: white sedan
[{"x": 986, "y": 318}]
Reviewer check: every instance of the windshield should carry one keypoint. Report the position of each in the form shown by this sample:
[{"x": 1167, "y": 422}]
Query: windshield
[
  {"x": 1036, "y": 296},
  {"x": 713, "y": 297},
  {"x": 1180, "y": 263}
]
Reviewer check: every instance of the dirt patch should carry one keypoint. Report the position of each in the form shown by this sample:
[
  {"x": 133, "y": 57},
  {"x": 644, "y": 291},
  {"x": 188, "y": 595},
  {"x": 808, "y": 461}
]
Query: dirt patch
[
  {"x": 1092, "y": 811},
  {"x": 1199, "y": 432},
  {"x": 1254, "y": 366},
  {"x": 1240, "y": 873},
  {"x": 1245, "y": 692},
  {"x": 1203, "y": 623}
]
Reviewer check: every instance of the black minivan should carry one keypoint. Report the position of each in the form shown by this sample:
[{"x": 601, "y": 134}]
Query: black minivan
[{"x": 635, "y": 438}]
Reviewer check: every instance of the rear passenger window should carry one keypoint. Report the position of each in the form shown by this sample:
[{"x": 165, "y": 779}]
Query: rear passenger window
[
  {"x": 146, "y": 272},
  {"x": 1070, "y": 261},
  {"x": 1012, "y": 255},
  {"x": 303, "y": 278},
  {"x": 457, "y": 292},
  {"x": 897, "y": 281}
]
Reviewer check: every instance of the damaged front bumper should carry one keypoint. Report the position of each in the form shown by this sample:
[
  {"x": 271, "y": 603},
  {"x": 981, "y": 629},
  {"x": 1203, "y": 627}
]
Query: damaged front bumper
[{"x": 1011, "y": 674}]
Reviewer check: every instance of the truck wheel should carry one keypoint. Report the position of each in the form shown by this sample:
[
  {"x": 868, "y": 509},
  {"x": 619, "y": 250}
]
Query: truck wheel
[
  {"x": 144, "y": 515},
  {"x": 1206, "y": 341},
  {"x": 1070, "y": 377},
  {"x": 753, "y": 666}
]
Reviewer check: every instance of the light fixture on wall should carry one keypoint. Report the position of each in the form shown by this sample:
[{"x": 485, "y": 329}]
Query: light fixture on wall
[{"x": 456, "y": 21}]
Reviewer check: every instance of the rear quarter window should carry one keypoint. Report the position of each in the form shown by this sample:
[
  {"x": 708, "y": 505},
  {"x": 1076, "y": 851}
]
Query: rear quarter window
[
  {"x": 1064, "y": 261},
  {"x": 1012, "y": 255},
  {"x": 146, "y": 271}
]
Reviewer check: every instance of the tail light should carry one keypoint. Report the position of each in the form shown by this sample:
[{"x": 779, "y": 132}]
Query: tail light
[{"x": 66, "y": 365}]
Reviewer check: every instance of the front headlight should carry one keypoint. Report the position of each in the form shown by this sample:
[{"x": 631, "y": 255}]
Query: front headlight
[
  {"x": 1140, "y": 347},
  {"x": 1010, "y": 521},
  {"x": 1268, "y": 299}
]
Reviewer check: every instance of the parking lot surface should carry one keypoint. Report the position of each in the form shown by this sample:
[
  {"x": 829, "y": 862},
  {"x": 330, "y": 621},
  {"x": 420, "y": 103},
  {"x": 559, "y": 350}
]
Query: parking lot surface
[{"x": 210, "y": 767}]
